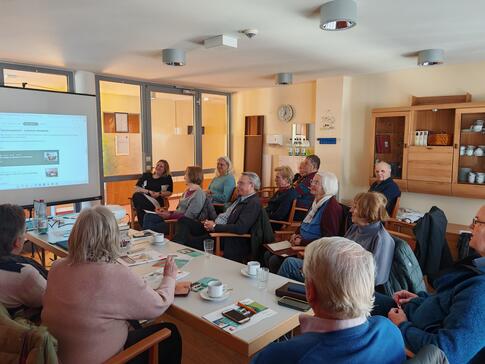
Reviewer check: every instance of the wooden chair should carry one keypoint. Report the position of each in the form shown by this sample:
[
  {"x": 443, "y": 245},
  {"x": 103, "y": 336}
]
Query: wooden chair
[
  {"x": 395, "y": 210},
  {"x": 290, "y": 222},
  {"x": 149, "y": 343},
  {"x": 217, "y": 240},
  {"x": 402, "y": 230},
  {"x": 134, "y": 223},
  {"x": 233, "y": 198}
]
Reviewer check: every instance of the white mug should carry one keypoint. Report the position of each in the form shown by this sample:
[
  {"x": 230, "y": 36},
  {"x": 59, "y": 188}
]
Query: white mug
[
  {"x": 462, "y": 150},
  {"x": 471, "y": 177},
  {"x": 159, "y": 238},
  {"x": 215, "y": 289},
  {"x": 469, "y": 150},
  {"x": 253, "y": 267}
]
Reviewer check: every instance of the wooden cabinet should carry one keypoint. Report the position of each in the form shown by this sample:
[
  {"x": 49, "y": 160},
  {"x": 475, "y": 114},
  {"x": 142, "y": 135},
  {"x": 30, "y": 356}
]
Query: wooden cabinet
[{"x": 436, "y": 169}]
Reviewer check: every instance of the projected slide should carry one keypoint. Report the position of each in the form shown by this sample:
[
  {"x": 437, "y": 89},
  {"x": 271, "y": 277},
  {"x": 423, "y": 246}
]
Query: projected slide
[{"x": 42, "y": 150}]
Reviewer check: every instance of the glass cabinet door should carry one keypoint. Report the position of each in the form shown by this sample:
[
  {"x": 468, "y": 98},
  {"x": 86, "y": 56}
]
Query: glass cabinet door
[
  {"x": 470, "y": 149},
  {"x": 390, "y": 140}
]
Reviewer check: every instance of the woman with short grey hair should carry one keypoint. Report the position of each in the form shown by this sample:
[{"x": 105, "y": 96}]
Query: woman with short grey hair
[
  {"x": 87, "y": 291},
  {"x": 339, "y": 284},
  {"x": 223, "y": 184}
]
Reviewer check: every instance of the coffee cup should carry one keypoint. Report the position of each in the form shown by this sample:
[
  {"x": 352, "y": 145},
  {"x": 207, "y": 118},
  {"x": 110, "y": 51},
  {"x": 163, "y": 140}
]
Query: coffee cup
[
  {"x": 215, "y": 289},
  {"x": 462, "y": 150},
  {"x": 471, "y": 177},
  {"x": 253, "y": 267},
  {"x": 159, "y": 238}
]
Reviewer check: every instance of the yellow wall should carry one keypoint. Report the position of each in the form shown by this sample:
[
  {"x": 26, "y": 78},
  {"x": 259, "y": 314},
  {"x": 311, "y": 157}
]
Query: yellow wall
[
  {"x": 121, "y": 164},
  {"x": 350, "y": 100},
  {"x": 395, "y": 89},
  {"x": 265, "y": 101}
]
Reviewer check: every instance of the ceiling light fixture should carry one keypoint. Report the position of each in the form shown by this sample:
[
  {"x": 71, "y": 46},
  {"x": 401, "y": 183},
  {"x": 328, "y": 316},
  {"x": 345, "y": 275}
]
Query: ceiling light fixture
[
  {"x": 173, "y": 57},
  {"x": 431, "y": 57},
  {"x": 338, "y": 15},
  {"x": 284, "y": 78}
]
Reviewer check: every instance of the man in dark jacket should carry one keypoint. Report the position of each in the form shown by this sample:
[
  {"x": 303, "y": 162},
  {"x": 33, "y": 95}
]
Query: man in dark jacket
[
  {"x": 238, "y": 219},
  {"x": 386, "y": 185},
  {"x": 452, "y": 317}
]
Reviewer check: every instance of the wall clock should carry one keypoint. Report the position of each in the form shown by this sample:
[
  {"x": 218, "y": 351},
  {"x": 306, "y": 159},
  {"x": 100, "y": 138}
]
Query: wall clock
[{"x": 286, "y": 112}]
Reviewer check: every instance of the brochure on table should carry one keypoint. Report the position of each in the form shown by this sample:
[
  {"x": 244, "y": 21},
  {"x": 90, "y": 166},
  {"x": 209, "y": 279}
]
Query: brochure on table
[{"x": 230, "y": 326}]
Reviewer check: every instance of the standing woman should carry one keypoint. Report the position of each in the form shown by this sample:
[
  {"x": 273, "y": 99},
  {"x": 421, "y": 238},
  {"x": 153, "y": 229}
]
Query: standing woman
[
  {"x": 152, "y": 188},
  {"x": 223, "y": 184},
  {"x": 90, "y": 298}
]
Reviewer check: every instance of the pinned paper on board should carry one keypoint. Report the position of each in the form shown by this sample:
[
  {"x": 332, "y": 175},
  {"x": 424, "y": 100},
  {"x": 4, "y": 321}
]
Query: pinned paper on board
[{"x": 122, "y": 144}]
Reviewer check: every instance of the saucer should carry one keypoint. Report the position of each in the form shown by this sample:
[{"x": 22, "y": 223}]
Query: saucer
[
  {"x": 244, "y": 272},
  {"x": 206, "y": 296}
]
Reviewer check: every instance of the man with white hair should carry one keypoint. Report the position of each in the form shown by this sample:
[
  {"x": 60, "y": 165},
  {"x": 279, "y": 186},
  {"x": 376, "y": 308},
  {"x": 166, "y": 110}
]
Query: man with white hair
[
  {"x": 385, "y": 185},
  {"x": 339, "y": 282}
]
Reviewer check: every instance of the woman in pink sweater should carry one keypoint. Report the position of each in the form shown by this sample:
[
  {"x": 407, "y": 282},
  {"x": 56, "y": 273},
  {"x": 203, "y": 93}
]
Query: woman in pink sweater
[{"x": 89, "y": 298}]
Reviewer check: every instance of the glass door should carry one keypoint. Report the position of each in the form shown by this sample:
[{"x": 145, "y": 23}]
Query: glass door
[
  {"x": 173, "y": 132},
  {"x": 470, "y": 150},
  {"x": 390, "y": 141}
]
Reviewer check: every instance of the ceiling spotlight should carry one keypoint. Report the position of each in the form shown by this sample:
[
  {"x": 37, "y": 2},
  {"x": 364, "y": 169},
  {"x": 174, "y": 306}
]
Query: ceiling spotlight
[
  {"x": 284, "y": 78},
  {"x": 430, "y": 57},
  {"x": 338, "y": 15},
  {"x": 173, "y": 57}
]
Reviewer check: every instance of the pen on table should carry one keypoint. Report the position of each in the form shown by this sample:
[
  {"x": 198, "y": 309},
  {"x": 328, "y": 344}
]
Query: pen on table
[{"x": 250, "y": 309}]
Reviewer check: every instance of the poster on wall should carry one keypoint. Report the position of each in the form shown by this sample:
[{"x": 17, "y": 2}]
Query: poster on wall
[
  {"x": 122, "y": 144},
  {"x": 121, "y": 122}
]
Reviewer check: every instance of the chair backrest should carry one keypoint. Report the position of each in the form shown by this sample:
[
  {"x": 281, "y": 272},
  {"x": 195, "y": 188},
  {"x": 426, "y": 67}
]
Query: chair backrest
[
  {"x": 395, "y": 210},
  {"x": 234, "y": 195},
  {"x": 346, "y": 221}
]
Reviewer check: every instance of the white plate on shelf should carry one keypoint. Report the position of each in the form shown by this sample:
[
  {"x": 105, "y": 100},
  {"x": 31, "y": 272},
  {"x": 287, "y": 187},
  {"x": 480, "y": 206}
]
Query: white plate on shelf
[
  {"x": 244, "y": 272},
  {"x": 206, "y": 296}
]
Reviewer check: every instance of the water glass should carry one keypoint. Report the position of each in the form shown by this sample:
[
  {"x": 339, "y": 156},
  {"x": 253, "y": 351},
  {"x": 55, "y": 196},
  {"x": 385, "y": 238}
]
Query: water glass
[
  {"x": 208, "y": 247},
  {"x": 263, "y": 275}
]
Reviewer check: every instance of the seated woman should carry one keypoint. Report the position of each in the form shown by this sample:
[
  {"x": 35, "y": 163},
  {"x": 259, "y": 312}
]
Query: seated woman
[
  {"x": 22, "y": 280},
  {"x": 279, "y": 205},
  {"x": 191, "y": 204},
  {"x": 151, "y": 189},
  {"x": 368, "y": 213},
  {"x": 324, "y": 218},
  {"x": 90, "y": 298},
  {"x": 223, "y": 184}
]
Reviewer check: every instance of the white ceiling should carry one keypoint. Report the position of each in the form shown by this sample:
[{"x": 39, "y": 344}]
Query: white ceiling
[{"x": 125, "y": 38}]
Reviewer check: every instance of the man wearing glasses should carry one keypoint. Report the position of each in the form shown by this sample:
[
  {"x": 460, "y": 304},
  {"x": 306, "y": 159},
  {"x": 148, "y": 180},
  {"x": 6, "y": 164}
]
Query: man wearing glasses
[{"x": 453, "y": 317}]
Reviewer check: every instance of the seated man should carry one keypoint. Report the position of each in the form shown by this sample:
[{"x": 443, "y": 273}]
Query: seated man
[
  {"x": 238, "y": 219},
  {"x": 453, "y": 317},
  {"x": 339, "y": 287},
  {"x": 386, "y": 185},
  {"x": 303, "y": 185},
  {"x": 22, "y": 280}
]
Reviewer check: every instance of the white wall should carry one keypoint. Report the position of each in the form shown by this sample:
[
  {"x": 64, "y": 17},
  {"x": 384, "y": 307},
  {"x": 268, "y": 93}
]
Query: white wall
[
  {"x": 350, "y": 100},
  {"x": 395, "y": 89}
]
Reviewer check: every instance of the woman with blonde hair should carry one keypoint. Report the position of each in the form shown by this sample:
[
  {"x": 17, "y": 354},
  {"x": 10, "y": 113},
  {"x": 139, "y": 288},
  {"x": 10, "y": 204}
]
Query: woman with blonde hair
[
  {"x": 89, "y": 298},
  {"x": 368, "y": 212},
  {"x": 223, "y": 184}
]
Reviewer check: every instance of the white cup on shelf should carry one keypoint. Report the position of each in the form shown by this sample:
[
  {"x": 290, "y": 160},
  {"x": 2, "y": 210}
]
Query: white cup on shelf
[{"x": 471, "y": 177}]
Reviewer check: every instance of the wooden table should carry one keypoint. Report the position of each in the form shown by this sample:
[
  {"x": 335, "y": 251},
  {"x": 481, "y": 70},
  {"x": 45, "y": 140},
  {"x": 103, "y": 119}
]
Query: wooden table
[{"x": 203, "y": 342}]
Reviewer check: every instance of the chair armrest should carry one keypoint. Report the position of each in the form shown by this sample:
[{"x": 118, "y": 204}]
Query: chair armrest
[
  {"x": 218, "y": 237},
  {"x": 279, "y": 222},
  {"x": 217, "y": 204},
  {"x": 150, "y": 342},
  {"x": 229, "y": 235}
]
